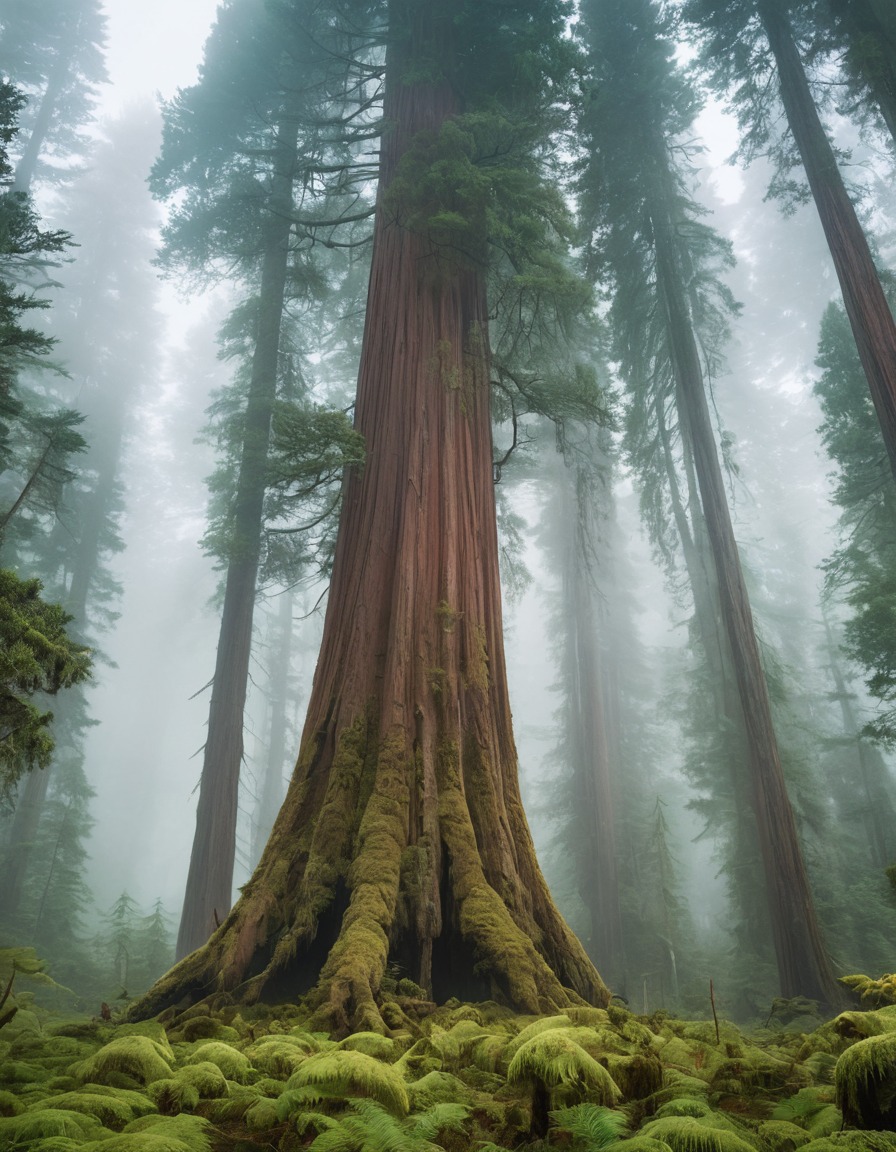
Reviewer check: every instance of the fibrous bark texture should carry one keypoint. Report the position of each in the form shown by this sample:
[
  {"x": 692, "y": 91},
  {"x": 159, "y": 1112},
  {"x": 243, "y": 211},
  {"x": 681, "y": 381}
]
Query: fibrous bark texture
[
  {"x": 803, "y": 964},
  {"x": 869, "y": 313},
  {"x": 589, "y": 733},
  {"x": 209, "y": 889},
  {"x": 402, "y": 838}
]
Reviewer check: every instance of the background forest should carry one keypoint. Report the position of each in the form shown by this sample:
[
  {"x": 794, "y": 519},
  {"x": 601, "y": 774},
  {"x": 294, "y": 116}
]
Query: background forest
[{"x": 694, "y": 457}]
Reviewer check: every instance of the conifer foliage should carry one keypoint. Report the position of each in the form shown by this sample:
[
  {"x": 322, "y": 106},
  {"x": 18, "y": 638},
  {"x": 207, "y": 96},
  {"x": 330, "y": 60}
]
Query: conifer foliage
[{"x": 402, "y": 836}]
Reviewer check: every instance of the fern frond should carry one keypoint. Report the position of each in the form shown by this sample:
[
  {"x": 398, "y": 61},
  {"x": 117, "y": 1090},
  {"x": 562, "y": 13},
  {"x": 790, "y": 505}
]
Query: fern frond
[
  {"x": 353, "y": 1074},
  {"x": 590, "y": 1125}
]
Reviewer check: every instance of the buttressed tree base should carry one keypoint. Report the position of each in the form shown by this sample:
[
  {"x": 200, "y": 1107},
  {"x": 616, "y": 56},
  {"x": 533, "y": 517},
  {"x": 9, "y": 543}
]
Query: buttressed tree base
[{"x": 402, "y": 839}]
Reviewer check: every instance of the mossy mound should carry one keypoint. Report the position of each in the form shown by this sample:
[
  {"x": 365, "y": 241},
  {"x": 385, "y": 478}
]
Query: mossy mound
[
  {"x": 347, "y": 1074},
  {"x": 782, "y": 1136},
  {"x": 232, "y": 1063},
  {"x": 853, "y": 1142},
  {"x": 464, "y": 1077},
  {"x": 24, "y": 1130},
  {"x": 560, "y": 1064},
  {"x": 159, "y": 1134},
  {"x": 688, "y": 1134},
  {"x": 111, "y": 1107},
  {"x": 137, "y": 1058},
  {"x": 280, "y": 1056},
  {"x": 865, "y": 1083}
]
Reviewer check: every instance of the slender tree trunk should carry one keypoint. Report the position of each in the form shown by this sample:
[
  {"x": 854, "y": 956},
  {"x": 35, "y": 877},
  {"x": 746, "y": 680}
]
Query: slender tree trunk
[
  {"x": 803, "y": 965},
  {"x": 748, "y": 897},
  {"x": 209, "y": 888},
  {"x": 878, "y": 813},
  {"x": 869, "y": 313},
  {"x": 402, "y": 836},
  {"x": 22, "y": 834},
  {"x": 272, "y": 788},
  {"x": 597, "y": 872},
  {"x": 24, "y": 173}
]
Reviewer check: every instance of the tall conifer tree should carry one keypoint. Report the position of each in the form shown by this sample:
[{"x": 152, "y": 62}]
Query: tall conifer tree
[
  {"x": 402, "y": 836},
  {"x": 752, "y": 47},
  {"x": 662, "y": 259}
]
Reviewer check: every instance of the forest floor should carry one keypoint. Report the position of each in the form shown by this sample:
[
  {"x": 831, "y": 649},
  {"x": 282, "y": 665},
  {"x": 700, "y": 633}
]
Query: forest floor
[{"x": 457, "y": 1077}]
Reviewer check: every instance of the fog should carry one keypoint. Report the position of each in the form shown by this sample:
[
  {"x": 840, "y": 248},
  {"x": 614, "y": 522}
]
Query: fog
[{"x": 142, "y": 348}]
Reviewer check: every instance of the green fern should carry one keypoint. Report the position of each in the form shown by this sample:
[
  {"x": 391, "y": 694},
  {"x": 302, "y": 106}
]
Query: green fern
[
  {"x": 556, "y": 1062},
  {"x": 542, "y": 1024},
  {"x": 369, "y": 1127},
  {"x": 443, "y": 1117},
  {"x": 138, "y": 1057},
  {"x": 111, "y": 1111},
  {"x": 280, "y": 1055},
  {"x": 206, "y": 1077},
  {"x": 371, "y": 1044},
  {"x": 172, "y": 1095},
  {"x": 590, "y": 1125},
  {"x": 234, "y": 1064},
  {"x": 158, "y": 1134},
  {"x": 641, "y": 1143},
  {"x": 438, "y": 1088},
  {"x": 352, "y": 1074},
  {"x": 853, "y": 1142},
  {"x": 262, "y": 1114},
  {"x": 804, "y": 1106},
  {"x": 10, "y": 1104},
  {"x": 683, "y": 1106},
  {"x": 782, "y": 1136},
  {"x": 687, "y": 1134},
  {"x": 24, "y": 1130}
]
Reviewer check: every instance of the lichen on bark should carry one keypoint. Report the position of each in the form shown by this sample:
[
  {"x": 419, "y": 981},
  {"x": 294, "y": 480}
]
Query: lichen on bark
[{"x": 402, "y": 840}]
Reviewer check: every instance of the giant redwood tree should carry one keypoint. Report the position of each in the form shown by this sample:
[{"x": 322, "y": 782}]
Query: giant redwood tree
[{"x": 402, "y": 837}]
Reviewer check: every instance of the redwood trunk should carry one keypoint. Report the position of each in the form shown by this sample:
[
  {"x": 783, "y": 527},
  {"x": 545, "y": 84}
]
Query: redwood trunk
[
  {"x": 402, "y": 837},
  {"x": 803, "y": 965},
  {"x": 866, "y": 306},
  {"x": 209, "y": 890},
  {"x": 588, "y": 740}
]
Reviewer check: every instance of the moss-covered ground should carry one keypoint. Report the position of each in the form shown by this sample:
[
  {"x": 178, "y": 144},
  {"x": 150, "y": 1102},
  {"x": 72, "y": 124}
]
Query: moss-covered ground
[{"x": 456, "y": 1077}]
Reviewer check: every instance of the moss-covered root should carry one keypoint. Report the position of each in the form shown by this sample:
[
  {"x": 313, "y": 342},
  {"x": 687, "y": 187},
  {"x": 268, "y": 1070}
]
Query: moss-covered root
[
  {"x": 520, "y": 972},
  {"x": 865, "y": 1082}
]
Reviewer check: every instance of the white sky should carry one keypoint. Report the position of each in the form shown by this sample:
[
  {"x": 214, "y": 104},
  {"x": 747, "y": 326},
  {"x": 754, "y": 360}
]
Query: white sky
[{"x": 154, "y": 46}]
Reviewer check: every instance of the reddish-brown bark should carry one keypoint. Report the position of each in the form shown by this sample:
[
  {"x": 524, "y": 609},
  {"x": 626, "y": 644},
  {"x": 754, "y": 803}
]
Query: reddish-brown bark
[
  {"x": 209, "y": 889},
  {"x": 869, "y": 313},
  {"x": 402, "y": 838},
  {"x": 803, "y": 964}
]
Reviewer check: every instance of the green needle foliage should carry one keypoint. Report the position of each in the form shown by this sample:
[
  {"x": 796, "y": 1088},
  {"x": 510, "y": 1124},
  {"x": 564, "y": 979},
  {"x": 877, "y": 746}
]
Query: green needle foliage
[
  {"x": 36, "y": 656},
  {"x": 863, "y": 567}
]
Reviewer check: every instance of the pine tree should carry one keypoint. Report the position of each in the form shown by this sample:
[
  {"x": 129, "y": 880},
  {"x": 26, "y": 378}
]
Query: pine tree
[
  {"x": 576, "y": 521},
  {"x": 232, "y": 150},
  {"x": 105, "y": 328},
  {"x": 666, "y": 298},
  {"x": 861, "y": 567},
  {"x": 863, "y": 33},
  {"x": 53, "y": 51},
  {"x": 752, "y": 46}
]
